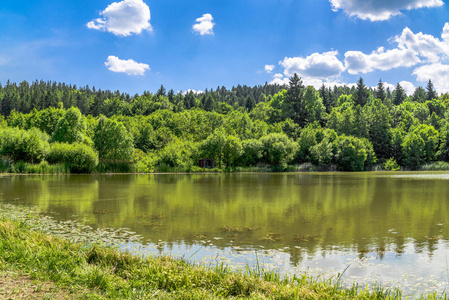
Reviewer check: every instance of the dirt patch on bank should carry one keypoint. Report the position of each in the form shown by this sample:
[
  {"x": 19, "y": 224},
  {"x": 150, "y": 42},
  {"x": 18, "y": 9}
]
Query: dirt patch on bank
[{"x": 23, "y": 287}]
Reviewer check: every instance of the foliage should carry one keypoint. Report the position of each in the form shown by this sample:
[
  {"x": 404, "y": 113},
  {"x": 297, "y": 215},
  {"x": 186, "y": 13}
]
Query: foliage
[
  {"x": 354, "y": 154},
  {"x": 71, "y": 127},
  {"x": 23, "y": 145},
  {"x": 177, "y": 154},
  {"x": 277, "y": 149},
  {"x": 233, "y": 127},
  {"x": 79, "y": 158},
  {"x": 413, "y": 148},
  {"x": 112, "y": 141},
  {"x": 391, "y": 165}
]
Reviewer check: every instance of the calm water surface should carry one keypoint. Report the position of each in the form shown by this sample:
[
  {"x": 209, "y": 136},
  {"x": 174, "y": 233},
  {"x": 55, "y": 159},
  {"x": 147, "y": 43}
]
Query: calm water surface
[{"x": 389, "y": 228}]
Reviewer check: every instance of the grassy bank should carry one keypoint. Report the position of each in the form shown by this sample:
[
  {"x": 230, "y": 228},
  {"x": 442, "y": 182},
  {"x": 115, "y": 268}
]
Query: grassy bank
[
  {"x": 20, "y": 167},
  {"x": 100, "y": 272},
  {"x": 38, "y": 262}
]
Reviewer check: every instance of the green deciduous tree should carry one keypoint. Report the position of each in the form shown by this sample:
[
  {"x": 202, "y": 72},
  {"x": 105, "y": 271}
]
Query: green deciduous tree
[
  {"x": 413, "y": 150},
  {"x": 312, "y": 105},
  {"x": 71, "y": 127},
  {"x": 277, "y": 149},
  {"x": 112, "y": 140},
  {"x": 378, "y": 117},
  {"x": 354, "y": 154}
]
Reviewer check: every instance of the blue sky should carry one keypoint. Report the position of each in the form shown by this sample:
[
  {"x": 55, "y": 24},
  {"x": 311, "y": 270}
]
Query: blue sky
[{"x": 137, "y": 45}]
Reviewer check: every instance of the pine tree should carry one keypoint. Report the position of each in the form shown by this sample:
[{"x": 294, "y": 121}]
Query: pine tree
[
  {"x": 294, "y": 99},
  {"x": 431, "y": 93},
  {"x": 419, "y": 95},
  {"x": 380, "y": 91},
  {"x": 361, "y": 94},
  {"x": 161, "y": 91},
  {"x": 399, "y": 95},
  {"x": 250, "y": 103}
]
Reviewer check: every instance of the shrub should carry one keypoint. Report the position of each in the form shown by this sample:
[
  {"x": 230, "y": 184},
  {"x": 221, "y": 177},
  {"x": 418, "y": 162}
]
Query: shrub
[
  {"x": 391, "y": 165},
  {"x": 354, "y": 154},
  {"x": 23, "y": 145},
  {"x": 277, "y": 149},
  {"x": 112, "y": 141},
  {"x": 71, "y": 127},
  {"x": 79, "y": 158}
]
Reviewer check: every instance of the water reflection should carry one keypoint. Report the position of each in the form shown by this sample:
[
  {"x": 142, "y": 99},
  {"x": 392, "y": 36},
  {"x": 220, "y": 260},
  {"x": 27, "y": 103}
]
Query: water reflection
[{"x": 311, "y": 217}]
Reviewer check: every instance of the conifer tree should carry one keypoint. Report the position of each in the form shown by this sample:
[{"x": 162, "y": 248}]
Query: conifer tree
[
  {"x": 431, "y": 93},
  {"x": 380, "y": 91},
  {"x": 361, "y": 94},
  {"x": 399, "y": 95},
  {"x": 294, "y": 99}
]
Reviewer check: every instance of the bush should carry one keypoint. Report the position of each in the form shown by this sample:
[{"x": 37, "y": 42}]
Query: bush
[
  {"x": 71, "y": 127},
  {"x": 251, "y": 152},
  {"x": 277, "y": 149},
  {"x": 112, "y": 141},
  {"x": 177, "y": 154},
  {"x": 391, "y": 165},
  {"x": 79, "y": 158},
  {"x": 354, "y": 154},
  {"x": 23, "y": 145}
]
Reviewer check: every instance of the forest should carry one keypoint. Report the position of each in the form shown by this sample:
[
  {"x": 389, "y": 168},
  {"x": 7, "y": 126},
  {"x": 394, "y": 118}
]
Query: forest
[{"x": 49, "y": 127}]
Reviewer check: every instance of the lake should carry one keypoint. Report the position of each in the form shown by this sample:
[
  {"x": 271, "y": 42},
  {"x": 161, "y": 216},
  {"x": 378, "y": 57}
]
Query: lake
[{"x": 389, "y": 228}]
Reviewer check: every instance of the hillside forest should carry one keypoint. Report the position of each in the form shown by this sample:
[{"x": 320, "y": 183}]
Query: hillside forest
[{"x": 54, "y": 127}]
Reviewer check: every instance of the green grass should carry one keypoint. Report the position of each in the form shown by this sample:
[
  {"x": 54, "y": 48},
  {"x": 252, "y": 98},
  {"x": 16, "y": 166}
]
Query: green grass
[
  {"x": 20, "y": 167},
  {"x": 436, "y": 166},
  {"x": 91, "y": 271}
]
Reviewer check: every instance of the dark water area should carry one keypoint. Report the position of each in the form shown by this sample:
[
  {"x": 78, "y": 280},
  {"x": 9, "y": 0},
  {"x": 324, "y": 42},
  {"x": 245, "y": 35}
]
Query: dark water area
[{"x": 389, "y": 228}]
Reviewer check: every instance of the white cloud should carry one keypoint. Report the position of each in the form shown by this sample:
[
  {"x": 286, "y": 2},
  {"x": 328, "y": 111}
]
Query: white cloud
[
  {"x": 315, "y": 82},
  {"x": 129, "y": 66},
  {"x": 388, "y": 86},
  {"x": 193, "y": 91},
  {"x": 204, "y": 25},
  {"x": 358, "y": 62},
  {"x": 425, "y": 45},
  {"x": 380, "y": 10},
  {"x": 437, "y": 72},
  {"x": 317, "y": 65},
  {"x": 269, "y": 68},
  {"x": 279, "y": 79},
  {"x": 412, "y": 49},
  {"x": 123, "y": 18},
  {"x": 408, "y": 87}
]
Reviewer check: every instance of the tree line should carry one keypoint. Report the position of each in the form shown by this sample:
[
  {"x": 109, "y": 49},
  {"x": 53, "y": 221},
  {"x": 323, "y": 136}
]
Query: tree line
[{"x": 267, "y": 127}]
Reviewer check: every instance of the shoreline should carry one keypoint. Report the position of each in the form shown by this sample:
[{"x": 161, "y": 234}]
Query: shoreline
[{"x": 73, "y": 269}]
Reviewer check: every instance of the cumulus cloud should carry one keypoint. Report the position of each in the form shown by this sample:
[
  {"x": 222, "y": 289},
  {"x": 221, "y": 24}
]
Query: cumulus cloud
[
  {"x": 425, "y": 45},
  {"x": 358, "y": 62},
  {"x": 281, "y": 79},
  {"x": 129, "y": 66},
  {"x": 269, "y": 68},
  {"x": 204, "y": 25},
  {"x": 380, "y": 10},
  {"x": 316, "y": 69},
  {"x": 317, "y": 65},
  {"x": 123, "y": 18},
  {"x": 412, "y": 49},
  {"x": 408, "y": 87},
  {"x": 437, "y": 72}
]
